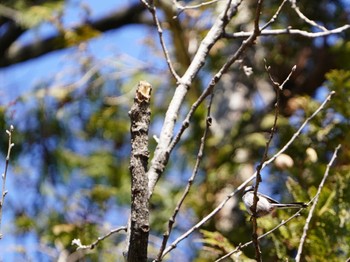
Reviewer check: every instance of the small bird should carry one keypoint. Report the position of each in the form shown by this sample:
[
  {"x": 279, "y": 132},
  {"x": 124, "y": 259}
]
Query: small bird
[{"x": 265, "y": 204}]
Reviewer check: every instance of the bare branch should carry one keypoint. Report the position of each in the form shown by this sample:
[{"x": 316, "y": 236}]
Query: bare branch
[
  {"x": 290, "y": 31},
  {"x": 315, "y": 200},
  {"x": 183, "y": 8},
  {"x": 190, "y": 181},
  {"x": 179, "y": 6},
  {"x": 10, "y": 13},
  {"x": 151, "y": 7},
  {"x": 98, "y": 240},
  {"x": 3, "y": 190},
  {"x": 246, "y": 182},
  {"x": 304, "y": 18},
  {"x": 161, "y": 154},
  {"x": 274, "y": 17},
  {"x": 276, "y": 84}
]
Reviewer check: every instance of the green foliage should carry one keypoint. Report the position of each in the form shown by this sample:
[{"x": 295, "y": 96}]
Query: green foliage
[
  {"x": 214, "y": 242},
  {"x": 29, "y": 15},
  {"x": 34, "y": 15},
  {"x": 72, "y": 38},
  {"x": 24, "y": 223},
  {"x": 339, "y": 81}
]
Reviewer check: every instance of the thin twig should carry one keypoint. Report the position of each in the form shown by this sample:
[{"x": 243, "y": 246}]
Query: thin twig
[
  {"x": 304, "y": 18},
  {"x": 312, "y": 209},
  {"x": 274, "y": 17},
  {"x": 98, "y": 240},
  {"x": 190, "y": 180},
  {"x": 151, "y": 7},
  {"x": 258, "y": 179},
  {"x": 3, "y": 190},
  {"x": 182, "y": 8},
  {"x": 255, "y": 238},
  {"x": 278, "y": 89},
  {"x": 246, "y": 182},
  {"x": 276, "y": 84},
  {"x": 290, "y": 31},
  {"x": 297, "y": 133}
]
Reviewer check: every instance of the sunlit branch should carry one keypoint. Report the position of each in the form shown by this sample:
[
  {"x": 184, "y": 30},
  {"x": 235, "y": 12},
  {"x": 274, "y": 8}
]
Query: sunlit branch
[
  {"x": 161, "y": 154},
  {"x": 183, "y": 8},
  {"x": 10, "y": 13},
  {"x": 98, "y": 240},
  {"x": 312, "y": 209},
  {"x": 3, "y": 190},
  {"x": 274, "y": 17},
  {"x": 290, "y": 31},
  {"x": 304, "y": 18}
]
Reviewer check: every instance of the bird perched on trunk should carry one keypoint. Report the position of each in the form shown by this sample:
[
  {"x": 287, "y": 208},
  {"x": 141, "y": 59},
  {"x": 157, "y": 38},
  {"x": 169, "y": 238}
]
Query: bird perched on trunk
[{"x": 265, "y": 204}]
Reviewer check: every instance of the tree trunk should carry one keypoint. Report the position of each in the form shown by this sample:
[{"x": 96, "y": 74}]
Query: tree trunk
[{"x": 139, "y": 220}]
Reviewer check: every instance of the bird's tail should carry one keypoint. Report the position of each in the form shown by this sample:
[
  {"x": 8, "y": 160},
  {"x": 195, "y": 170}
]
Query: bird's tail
[{"x": 290, "y": 205}]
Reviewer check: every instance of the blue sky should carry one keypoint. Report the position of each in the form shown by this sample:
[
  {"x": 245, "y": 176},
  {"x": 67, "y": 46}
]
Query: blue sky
[{"x": 21, "y": 78}]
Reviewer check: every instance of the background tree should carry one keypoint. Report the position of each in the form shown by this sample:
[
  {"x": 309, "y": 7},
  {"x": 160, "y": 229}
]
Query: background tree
[{"x": 70, "y": 177}]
